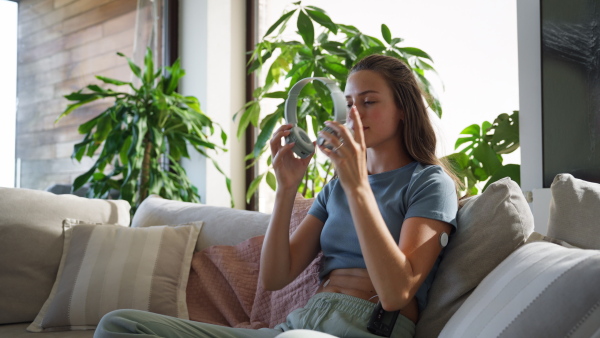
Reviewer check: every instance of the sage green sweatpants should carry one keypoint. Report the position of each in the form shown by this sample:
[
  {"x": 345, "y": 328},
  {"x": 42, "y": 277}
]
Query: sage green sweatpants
[{"x": 334, "y": 313}]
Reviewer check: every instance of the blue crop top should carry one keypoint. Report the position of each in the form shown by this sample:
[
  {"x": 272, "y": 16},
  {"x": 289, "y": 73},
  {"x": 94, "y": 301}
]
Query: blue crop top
[{"x": 414, "y": 190}]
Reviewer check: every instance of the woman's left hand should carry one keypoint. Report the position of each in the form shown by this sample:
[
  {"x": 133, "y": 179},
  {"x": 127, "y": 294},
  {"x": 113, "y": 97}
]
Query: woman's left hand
[{"x": 349, "y": 154}]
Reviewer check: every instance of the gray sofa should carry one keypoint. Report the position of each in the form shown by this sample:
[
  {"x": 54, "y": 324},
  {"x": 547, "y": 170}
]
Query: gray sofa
[{"x": 497, "y": 278}]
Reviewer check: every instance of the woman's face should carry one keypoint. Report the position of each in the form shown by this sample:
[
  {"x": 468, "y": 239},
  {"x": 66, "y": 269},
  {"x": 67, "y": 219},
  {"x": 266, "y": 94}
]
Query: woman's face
[{"x": 380, "y": 116}]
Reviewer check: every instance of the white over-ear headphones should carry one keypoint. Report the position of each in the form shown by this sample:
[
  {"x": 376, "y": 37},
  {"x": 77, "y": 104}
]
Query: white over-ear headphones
[{"x": 304, "y": 147}]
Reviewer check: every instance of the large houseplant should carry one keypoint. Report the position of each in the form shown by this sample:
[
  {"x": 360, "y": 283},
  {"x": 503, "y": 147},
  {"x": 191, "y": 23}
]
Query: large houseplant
[
  {"x": 143, "y": 136},
  {"x": 331, "y": 52},
  {"x": 327, "y": 49}
]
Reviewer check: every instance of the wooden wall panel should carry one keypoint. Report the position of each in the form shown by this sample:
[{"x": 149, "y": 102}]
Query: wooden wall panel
[{"x": 63, "y": 45}]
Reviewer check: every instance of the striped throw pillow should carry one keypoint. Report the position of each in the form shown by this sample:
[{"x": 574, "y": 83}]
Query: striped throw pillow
[
  {"x": 540, "y": 290},
  {"x": 109, "y": 267}
]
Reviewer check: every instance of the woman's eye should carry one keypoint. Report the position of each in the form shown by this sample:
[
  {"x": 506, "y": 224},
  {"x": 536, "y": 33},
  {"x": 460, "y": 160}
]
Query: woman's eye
[
  {"x": 349, "y": 105},
  {"x": 369, "y": 102}
]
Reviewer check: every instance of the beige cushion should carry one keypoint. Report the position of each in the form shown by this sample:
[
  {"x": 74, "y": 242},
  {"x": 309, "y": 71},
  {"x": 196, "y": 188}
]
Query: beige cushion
[
  {"x": 109, "y": 267},
  {"x": 575, "y": 212},
  {"x": 222, "y": 226},
  {"x": 537, "y": 237},
  {"x": 31, "y": 244},
  {"x": 540, "y": 290},
  {"x": 490, "y": 227},
  {"x": 20, "y": 331}
]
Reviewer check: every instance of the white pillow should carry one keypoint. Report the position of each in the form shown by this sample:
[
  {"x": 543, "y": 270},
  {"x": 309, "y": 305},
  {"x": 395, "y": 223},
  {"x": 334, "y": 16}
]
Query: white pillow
[
  {"x": 109, "y": 267},
  {"x": 575, "y": 212},
  {"x": 540, "y": 290}
]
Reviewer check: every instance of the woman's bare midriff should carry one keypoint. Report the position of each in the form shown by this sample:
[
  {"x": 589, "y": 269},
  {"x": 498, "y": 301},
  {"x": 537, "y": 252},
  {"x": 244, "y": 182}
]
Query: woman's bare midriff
[{"x": 357, "y": 283}]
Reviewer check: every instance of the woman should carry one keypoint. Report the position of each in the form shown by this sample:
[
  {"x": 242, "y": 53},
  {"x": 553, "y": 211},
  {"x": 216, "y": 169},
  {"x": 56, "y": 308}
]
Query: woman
[{"x": 378, "y": 223}]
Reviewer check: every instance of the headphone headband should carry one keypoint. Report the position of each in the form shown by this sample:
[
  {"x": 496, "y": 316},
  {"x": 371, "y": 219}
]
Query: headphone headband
[{"x": 339, "y": 101}]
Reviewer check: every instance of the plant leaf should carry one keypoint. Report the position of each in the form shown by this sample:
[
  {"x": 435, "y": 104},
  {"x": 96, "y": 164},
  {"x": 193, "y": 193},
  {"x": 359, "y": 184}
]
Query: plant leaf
[
  {"x": 271, "y": 180},
  {"x": 505, "y": 139},
  {"x": 111, "y": 81},
  {"x": 284, "y": 18},
  {"x": 488, "y": 158},
  {"x": 323, "y": 19},
  {"x": 510, "y": 170},
  {"x": 415, "y": 52},
  {"x": 385, "y": 32},
  {"x": 250, "y": 114},
  {"x": 266, "y": 133},
  {"x": 253, "y": 186},
  {"x": 74, "y": 106},
  {"x": 306, "y": 29},
  {"x": 83, "y": 178},
  {"x": 149, "y": 63},
  {"x": 473, "y": 129}
]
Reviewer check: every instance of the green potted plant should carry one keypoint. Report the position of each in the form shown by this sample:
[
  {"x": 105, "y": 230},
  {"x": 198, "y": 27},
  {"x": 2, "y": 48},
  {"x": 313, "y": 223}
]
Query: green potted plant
[
  {"x": 330, "y": 49},
  {"x": 327, "y": 49},
  {"x": 479, "y": 158},
  {"x": 143, "y": 135}
]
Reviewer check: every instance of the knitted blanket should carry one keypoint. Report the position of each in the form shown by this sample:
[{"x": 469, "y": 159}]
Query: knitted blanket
[{"x": 223, "y": 286}]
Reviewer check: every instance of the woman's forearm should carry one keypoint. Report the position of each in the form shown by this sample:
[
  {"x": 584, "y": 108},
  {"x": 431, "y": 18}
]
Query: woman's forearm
[
  {"x": 388, "y": 267},
  {"x": 275, "y": 258}
]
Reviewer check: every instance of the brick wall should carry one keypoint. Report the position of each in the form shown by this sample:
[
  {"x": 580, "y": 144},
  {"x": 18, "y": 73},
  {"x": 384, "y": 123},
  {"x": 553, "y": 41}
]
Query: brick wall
[{"x": 62, "y": 45}]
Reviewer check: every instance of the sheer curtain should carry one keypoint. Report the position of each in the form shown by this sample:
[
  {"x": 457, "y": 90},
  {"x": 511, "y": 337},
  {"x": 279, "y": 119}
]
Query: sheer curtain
[{"x": 148, "y": 32}]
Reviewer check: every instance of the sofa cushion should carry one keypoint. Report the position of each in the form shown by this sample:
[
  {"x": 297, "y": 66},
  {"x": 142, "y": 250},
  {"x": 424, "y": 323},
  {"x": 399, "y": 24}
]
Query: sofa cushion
[
  {"x": 222, "y": 226},
  {"x": 575, "y": 211},
  {"x": 490, "y": 227},
  {"x": 540, "y": 290},
  {"x": 20, "y": 331},
  {"x": 31, "y": 242},
  {"x": 109, "y": 267}
]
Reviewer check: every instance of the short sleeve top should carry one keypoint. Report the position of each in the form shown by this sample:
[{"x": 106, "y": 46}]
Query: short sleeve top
[{"x": 414, "y": 190}]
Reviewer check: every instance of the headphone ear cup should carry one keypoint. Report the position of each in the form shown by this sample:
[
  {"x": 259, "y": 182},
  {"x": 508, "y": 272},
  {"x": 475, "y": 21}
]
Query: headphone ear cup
[
  {"x": 304, "y": 146},
  {"x": 322, "y": 142}
]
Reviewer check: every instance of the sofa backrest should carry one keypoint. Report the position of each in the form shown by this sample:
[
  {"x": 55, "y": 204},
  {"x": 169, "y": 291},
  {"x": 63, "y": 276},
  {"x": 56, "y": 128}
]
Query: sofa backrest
[{"x": 222, "y": 225}]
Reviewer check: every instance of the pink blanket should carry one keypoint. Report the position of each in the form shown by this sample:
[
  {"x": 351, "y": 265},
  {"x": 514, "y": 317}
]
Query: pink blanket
[{"x": 223, "y": 285}]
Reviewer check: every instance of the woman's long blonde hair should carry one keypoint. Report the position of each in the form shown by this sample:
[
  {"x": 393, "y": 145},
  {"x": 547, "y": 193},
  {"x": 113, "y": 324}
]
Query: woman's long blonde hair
[{"x": 419, "y": 135}]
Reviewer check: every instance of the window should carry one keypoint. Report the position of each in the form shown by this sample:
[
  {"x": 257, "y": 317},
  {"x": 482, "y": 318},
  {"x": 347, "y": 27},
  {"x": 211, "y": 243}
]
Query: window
[{"x": 473, "y": 45}]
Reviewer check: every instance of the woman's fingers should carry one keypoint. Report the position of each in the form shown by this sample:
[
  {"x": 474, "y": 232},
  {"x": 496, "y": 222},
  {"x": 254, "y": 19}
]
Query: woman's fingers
[
  {"x": 356, "y": 124},
  {"x": 280, "y": 133}
]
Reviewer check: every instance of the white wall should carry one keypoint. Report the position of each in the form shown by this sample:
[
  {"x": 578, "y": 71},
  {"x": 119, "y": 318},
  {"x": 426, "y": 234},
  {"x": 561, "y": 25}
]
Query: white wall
[
  {"x": 212, "y": 51},
  {"x": 530, "y": 92},
  {"x": 8, "y": 91}
]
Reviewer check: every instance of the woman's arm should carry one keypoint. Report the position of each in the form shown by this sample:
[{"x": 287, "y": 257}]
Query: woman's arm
[
  {"x": 283, "y": 259},
  {"x": 397, "y": 270}
]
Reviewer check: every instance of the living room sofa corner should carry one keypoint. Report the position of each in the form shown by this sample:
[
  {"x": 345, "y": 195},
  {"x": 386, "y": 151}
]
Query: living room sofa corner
[{"x": 497, "y": 277}]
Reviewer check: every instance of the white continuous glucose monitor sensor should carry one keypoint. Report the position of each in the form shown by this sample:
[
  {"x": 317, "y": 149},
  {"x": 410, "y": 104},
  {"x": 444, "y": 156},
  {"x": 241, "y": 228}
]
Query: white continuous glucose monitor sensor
[
  {"x": 443, "y": 239},
  {"x": 304, "y": 146}
]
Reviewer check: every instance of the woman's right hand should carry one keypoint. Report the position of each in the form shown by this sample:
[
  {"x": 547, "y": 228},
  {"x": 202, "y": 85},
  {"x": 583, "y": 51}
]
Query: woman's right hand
[{"x": 289, "y": 169}]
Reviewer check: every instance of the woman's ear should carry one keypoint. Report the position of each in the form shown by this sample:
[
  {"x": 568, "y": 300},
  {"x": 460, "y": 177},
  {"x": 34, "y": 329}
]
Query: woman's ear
[{"x": 402, "y": 114}]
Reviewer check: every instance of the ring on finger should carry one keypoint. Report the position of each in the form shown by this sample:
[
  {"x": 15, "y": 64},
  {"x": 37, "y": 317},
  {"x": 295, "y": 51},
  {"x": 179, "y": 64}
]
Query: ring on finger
[{"x": 338, "y": 147}]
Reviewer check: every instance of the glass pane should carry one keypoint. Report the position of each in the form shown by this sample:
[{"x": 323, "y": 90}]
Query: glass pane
[
  {"x": 570, "y": 90},
  {"x": 62, "y": 46}
]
